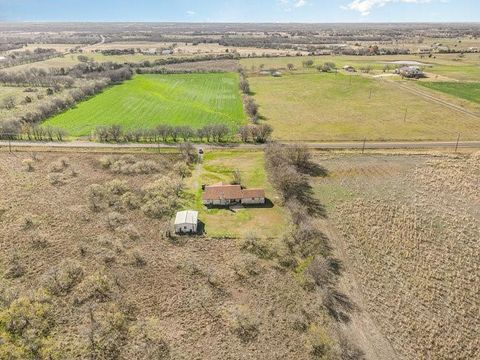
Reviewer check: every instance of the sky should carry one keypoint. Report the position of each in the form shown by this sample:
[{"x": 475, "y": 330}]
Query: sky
[{"x": 320, "y": 11}]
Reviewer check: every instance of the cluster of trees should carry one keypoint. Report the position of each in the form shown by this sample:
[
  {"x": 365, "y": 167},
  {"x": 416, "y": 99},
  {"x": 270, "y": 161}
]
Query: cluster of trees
[
  {"x": 257, "y": 133},
  {"x": 40, "y": 133},
  {"x": 327, "y": 67},
  {"x": 162, "y": 133},
  {"x": 179, "y": 60},
  {"x": 112, "y": 52},
  {"x": 164, "y": 70},
  {"x": 24, "y": 57},
  {"x": 36, "y": 77},
  {"x": 115, "y": 73},
  {"x": 47, "y": 109}
]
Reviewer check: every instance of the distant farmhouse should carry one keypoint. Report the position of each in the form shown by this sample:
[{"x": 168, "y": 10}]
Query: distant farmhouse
[
  {"x": 411, "y": 72},
  {"x": 349, "y": 68},
  {"x": 186, "y": 222},
  {"x": 224, "y": 194}
]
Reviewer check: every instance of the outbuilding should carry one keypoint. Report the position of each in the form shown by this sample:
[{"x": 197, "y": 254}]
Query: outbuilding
[{"x": 186, "y": 222}]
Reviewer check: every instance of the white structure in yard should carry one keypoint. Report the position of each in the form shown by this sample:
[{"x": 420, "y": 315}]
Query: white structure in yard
[{"x": 186, "y": 222}]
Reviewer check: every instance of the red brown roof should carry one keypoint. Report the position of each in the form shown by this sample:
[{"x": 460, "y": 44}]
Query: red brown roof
[
  {"x": 219, "y": 192},
  {"x": 230, "y": 192},
  {"x": 253, "y": 193}
]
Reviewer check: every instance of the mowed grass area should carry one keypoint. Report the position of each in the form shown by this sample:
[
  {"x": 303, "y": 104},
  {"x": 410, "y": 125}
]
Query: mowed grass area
[
  {"x": 218, "y": 166},
  {"x": 146, "y": 101},
  {"x": 468, "y": 91},
  {"x": 338, "y": 107}
]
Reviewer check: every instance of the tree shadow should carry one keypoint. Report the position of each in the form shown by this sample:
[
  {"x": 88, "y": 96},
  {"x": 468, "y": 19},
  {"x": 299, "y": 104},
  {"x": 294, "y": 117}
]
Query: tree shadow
[
  {"x": 315, "y": 170},
  {"x": 338, "y": 305}
]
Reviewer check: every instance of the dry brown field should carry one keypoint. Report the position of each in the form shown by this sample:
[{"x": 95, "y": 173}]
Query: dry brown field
[
  {"x": 86, "y": 261},
  {"x": 406, "y": 228}
]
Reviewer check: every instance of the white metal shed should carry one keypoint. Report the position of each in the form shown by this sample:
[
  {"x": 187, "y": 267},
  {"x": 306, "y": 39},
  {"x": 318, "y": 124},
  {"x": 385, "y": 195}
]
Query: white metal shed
[{"x": 186, "y": 221}]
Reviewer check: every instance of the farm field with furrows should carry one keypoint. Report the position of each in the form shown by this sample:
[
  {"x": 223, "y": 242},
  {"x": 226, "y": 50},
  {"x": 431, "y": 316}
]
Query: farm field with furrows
[
  {"x": 406, "y": 228},
  {"x": 85, "y": 257},
  {"x": 337, "y": 107},
  {"x": 146, "y": 101}
]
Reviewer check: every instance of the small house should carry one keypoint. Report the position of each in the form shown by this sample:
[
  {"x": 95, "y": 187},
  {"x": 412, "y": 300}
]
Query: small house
[
  {"x": 186, "y": 222},
  {"x": 410, "y": 72},
  {"x": 349, "y": 68},
  {"x": 224, "y": 194}
]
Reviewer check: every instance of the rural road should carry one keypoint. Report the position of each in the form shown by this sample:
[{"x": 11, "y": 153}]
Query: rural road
[{"x": 313, "y": 145}]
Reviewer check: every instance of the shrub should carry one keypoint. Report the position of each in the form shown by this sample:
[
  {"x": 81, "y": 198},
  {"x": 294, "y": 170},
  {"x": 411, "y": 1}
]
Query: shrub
[
  {"x": 319, "y": 270},
  {"x": 62, "y": 279},
  {"x": 244, "y": 325},
  {"x": 14, "y": 268},
  {"x": 28, "y": 164},
  {"x": 257, "y": 246},
  {"x": 115, "y": 220}
]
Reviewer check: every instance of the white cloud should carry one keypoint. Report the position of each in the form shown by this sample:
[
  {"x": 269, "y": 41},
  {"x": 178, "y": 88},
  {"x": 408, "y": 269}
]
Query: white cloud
[
  {"x": 191, "y": 13},
  {"x": 364, "y": 7},
  {"x": 288, "y": 5}
]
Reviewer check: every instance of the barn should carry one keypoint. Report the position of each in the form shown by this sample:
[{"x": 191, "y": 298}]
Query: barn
[{"x": 186, "y": 222}]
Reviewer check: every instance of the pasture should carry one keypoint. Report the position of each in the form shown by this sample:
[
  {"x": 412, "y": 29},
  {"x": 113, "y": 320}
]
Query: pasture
[
  {"x": 338, "y": 107},
  {"x": 146, "y": 101}
]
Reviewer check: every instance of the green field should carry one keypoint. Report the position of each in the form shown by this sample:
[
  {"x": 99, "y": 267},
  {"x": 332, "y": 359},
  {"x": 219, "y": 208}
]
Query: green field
[
  {"x": 467, "y": 91},
  {"x": 337, "y": 107},
  {"x": 150, "y": 100}
]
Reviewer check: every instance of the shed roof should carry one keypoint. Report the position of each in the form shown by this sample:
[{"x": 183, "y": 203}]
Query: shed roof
[{"x": 186, "y": 217}]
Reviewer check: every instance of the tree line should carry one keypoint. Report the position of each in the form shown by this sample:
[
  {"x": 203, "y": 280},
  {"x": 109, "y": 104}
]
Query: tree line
[
  {"x": 24, "y": 57},
  {"x": 163, "y": 133}
]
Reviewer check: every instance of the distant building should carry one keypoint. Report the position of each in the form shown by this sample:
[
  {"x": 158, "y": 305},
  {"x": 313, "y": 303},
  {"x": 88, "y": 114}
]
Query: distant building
[
  {"x": 167, "y": 52},
  {"x": 224, "y": 194},
  {"x": 186, "y": 222},
  {"x": 349, "y": 68},
  {"x": 424, "y": 50},
  {"x": 411, "y": 72},
  {"x": 2, "y": 58},
  {"x": 276, "y": 73}
]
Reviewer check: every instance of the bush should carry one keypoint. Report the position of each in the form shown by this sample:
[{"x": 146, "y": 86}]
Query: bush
[
  {"x": 244, "y": 325},
  {"x": 257, "y": 246},
  {"x": 62, "y": 279}
]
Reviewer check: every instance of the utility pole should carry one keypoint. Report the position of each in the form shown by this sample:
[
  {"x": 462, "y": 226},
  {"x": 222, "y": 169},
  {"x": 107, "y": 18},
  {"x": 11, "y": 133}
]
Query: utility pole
[
  {"x": 405, "y": 116},
  {"x": 370, "y": 96},
  {"x": 456, "y": 145}
]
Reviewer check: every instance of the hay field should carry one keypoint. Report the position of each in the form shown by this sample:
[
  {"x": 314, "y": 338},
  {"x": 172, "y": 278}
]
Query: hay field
[
  {"x": 150, "y": 100},
  {"x": 406, "y": 228},
  {"x": 96, "y": 276},
  {"x": 336, "y": 107}
]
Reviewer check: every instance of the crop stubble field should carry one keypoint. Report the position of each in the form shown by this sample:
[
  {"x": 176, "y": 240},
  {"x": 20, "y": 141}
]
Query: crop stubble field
[
  {"x": 409, "y": 227},
  {"x": 150, "y": 100}
]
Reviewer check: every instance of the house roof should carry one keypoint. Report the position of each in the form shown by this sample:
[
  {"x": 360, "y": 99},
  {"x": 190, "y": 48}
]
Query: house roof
[
  {"x": 253, "y": 193},
  {"x": 221, "y": 191},
  {"x": 186, "y": 217},
  {"x": 230, "y": 192}
]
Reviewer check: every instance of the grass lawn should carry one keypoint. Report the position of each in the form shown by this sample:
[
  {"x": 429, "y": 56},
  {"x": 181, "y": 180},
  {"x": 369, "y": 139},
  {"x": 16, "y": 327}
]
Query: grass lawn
[
  {"x": 149, "y": 100},
  {"x": 337, "y": 107},
  {"x": 267, "y": 222},
  {"x": 468, "y": 91}
]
